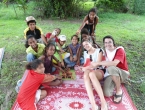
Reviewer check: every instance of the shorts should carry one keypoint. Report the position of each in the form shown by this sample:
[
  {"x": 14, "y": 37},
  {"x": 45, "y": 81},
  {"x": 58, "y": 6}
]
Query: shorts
[{"x": 109, "y": 85}]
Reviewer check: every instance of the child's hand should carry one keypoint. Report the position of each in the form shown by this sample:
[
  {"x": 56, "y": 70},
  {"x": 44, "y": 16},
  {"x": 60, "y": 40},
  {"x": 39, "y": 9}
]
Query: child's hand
[
  {"x": 62, "y": 64},
  {"x": 58, "y": 77},
  {"x": 78, "y": 62},
  {"x": 75, "y": 58},
  {"x": 71, "y": 58},
  {"x": 62, "y": 51},
  {"x": 78, "y": 31}
]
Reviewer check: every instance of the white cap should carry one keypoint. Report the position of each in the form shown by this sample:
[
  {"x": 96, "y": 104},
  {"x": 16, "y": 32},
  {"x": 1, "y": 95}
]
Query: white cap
[
  {"x": 62, "y": 37},
  {"x": 29, "y": 18}
]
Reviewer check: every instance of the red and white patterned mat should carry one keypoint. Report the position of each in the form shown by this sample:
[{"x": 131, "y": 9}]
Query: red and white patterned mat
[{"x": 71, "y": 95}]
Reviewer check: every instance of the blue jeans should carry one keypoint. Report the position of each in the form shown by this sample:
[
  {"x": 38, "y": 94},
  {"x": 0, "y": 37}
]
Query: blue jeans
[
  {"x": 71, "y": 64},
  {"x": 30, "y": 57}
]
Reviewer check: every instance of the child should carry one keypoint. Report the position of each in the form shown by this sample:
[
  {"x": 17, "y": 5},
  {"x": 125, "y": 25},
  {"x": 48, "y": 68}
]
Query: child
[
  {"x": 29, "y": 93},
  {"x": 74, "y": 50},
  {"x": 85, "y": 36},
  {"x": 52, "y": 37},
  {"x": 61, "y": 55},
  {"x": 32, "y": 29},
  {"x": 47, "y": 57},
  {"x": 34, "y": 50},
  {"x": 90, "y": 21}
]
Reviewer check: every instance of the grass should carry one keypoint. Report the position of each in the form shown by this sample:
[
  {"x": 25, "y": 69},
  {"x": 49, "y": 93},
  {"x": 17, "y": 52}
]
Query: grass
[{"x": 128, "y": 31}]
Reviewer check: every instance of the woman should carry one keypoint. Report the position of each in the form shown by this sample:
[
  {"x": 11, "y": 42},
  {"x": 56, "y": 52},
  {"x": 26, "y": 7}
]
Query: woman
[
  {"x": 92, "y": 74},
  {"x": 90, "y": 21},
  {"x": 117, "y": 68}
]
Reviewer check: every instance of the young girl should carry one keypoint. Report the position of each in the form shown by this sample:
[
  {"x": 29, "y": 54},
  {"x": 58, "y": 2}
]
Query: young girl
[
  {"x": 34, "y": 50},
  {"x": 74, "y": 51},
  {"x": 29, "y": 93},
  {"x": 47, "y": 57},
  {"x": 90, "y": 21},
  {"x": 53, "y": 37},
  {"x": 92, "y": 75}
]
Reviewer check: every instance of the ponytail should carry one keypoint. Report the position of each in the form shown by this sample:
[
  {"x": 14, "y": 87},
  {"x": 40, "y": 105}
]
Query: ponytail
[{"x": 34, "y": 64}]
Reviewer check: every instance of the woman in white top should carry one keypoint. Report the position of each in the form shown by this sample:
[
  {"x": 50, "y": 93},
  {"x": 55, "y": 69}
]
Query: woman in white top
[{"x": 93, "y": 75}]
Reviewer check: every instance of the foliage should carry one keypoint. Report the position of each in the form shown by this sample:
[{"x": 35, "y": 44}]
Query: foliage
[
  {"x": 59, "y": 8},
  {"x": 115, "y": 5},
  {"x": 133, "y": 6}
]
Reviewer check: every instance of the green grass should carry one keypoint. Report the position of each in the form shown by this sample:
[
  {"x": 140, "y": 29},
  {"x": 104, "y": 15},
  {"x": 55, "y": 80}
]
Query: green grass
[{"x": 128, "y": 31}]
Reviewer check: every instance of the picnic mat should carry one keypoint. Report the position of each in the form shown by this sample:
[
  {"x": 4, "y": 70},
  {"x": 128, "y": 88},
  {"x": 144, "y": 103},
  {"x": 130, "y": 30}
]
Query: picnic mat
[
  {"x": 1, "y": 55},
  {"x": 71, "y": 95}
]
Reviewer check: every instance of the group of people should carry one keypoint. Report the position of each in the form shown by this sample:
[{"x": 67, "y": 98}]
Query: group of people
[{"x": 47, "y": 53}]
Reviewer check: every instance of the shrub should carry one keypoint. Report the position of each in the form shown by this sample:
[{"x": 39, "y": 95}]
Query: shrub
[
  {"x": 115, "y": 5},
  {"x": 59, "y": 8}
]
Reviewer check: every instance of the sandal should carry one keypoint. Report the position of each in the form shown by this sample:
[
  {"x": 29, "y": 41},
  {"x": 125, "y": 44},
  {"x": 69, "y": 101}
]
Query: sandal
[{"x": 117, "y": 96}]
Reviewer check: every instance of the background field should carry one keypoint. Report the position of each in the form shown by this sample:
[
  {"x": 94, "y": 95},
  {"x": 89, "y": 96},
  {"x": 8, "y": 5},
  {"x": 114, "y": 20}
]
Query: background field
[{"x": 127, "y": 29}]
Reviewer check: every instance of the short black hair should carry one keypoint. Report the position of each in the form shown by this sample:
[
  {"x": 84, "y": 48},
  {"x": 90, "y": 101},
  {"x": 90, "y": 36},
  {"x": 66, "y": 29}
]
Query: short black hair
[
  {"x": 34, "y": 64},
  {"x": 109, "y": 37},
  {"x": 84, "y": 31},
  {"x": 32, "y": 21}
]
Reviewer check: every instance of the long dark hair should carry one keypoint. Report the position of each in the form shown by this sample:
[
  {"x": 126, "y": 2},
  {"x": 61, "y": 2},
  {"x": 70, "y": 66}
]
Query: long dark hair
[
  {"x": 34, "y": 64},
  {"x": 29, "y": 37},
  {"x": 47, "y": 47},
  {"x": 95, "y": 11}
]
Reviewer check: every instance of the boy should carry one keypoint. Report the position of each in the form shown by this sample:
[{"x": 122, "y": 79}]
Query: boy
[{"x": 32, "y": 29}]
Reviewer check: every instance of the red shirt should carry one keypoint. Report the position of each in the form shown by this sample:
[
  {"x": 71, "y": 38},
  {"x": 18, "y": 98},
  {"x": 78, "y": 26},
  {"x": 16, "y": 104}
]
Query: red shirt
[
  {"x": 26, "y": 95},
  {"x": 121, "y": 56},
  {"x": 55, "y": 39}
]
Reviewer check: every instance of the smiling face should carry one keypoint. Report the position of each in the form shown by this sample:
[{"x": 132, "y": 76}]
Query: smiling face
[
  {"x": 87, "y": 45},
  {"x": 50, "y": 50},
  {"x": 92, "y": 15},
  {"x": 40, "y": 69},
  {"x": 32, "y": 42},
  {"x": 74, "y": 40},
  {"x": 109, "y": 44}
]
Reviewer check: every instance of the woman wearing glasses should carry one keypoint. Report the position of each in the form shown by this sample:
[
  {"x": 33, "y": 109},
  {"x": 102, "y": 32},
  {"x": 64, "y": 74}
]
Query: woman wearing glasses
[{"x": 93, "y": 75}]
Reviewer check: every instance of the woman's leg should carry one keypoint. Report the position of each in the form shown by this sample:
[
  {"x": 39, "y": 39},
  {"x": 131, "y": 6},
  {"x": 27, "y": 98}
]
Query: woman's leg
[
  {"x": 95, "y": 76},
  {"x": 89, "y": 90}
]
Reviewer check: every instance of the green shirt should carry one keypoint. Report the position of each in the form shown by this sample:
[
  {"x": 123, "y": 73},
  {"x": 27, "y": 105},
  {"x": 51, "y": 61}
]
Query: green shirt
[{"x": 39, "y": 50}]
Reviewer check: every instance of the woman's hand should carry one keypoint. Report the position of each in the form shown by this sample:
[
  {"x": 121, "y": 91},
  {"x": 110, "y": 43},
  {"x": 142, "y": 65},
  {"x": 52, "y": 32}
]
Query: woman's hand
[{"x": 94, "y": 64}]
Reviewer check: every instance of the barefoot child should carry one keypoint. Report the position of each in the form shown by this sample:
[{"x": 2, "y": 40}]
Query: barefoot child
[
  {"x": 34, "y": 50},
  {"x": 74, "y": 50},
  {"x": 29, "y": 93},
  {"x": 47, "y": 57}
]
